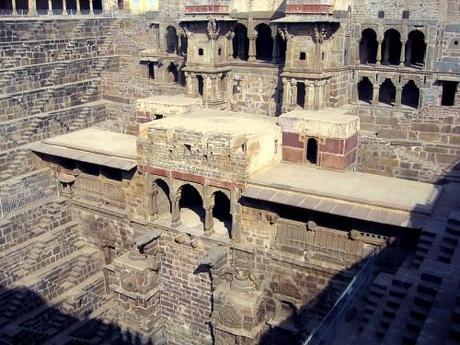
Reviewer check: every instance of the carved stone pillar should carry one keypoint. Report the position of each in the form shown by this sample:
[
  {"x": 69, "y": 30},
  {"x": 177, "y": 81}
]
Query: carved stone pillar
[
  {"x": 208, "y": 221},
  {"x": 379, "y": 52},
  {"x": 286, "y": 96},
  {"x": 293, "y": 93},
  {"x": 398, "y": 96},
  {"x": 32, "y": 6},
  {"x": 307, "y": 95},
  {"x": 91, "y": 10},
  {"x": 356, "y": 52},
  {"x": 252, "y": 46},
  {"x": 64, "y": 7},
  {"x": 175, "y": 212},
  {"x": 13, "y": 8},
  {"x": 189, "y": 85},
  {"x": 153, "y": 203},
  {"x": 316, "y": 102},
  {"x": 375, "y": 94},
  {"x": 402, "y": 56},
  {"x": 275, "y": 50},
  {"x": 78, "y": 7},
  {"x": 50, "y": 7}
]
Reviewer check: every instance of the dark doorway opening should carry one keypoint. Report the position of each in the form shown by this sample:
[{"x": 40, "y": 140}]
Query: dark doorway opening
[
  {"x": 191, "y": 206},
  {"x": 312, "y": 151},
  {"x": 120, "y": 4},
  {"x": 391, "y": 48},
  {"x": 151, "y": 70},
  {"x": 162, "y": 198},
  {"x": 97, "y": 6},
  {"x": 416, "y": 49},
  {"x": 200, "y": 84},
  {"x": 84, "y": 6},
  {"x": 173, "y": 74},
  {"x": 365, "y": 90},
  {"x": 410, "y": 95},
  {"x": 368, "y": 47},
  {"x": 221, "y": 212},
  {"x": 301, "y": 94},
  {"x": 449, "y": 90},
  {"x": 22, "y": 6},
  {"x": 264, "y": 43},
  {"x": 240, "y": 42},
  {"x": 387, "y": 94},
  {"x": 42, "y": 6}
]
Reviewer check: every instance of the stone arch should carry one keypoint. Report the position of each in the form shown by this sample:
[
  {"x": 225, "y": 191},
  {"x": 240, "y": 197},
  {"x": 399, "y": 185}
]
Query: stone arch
[
  {"x": 221, "y": 213},
  {"x": 368, "y": 47},
  {"x": 173, "y": 73},
  {"x": 161, "y": 196},
  {"x": 391, "y": 47},
  {"x": 365, "y": 90},
  {"x": 415, "y": 49},
  {"x": 171, "y": 40},
  {"x": 410, "y": 95},
  {"x": 264, "y": 43},
  {"x": 241, "y": 42},
  {"x": 191, "y": 210},
  {"x": 387, "y": 93}
]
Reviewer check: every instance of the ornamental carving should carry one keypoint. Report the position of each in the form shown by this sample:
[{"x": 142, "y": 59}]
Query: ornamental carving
[
  {"x": 213, "y": 30},
  {"x": 229, "y": 316},
  {"x": 288, "y": 287}
]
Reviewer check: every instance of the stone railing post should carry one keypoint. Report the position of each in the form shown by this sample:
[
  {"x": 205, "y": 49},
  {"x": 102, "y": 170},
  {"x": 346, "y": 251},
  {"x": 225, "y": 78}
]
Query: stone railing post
[{"x": 379, "y": 52}]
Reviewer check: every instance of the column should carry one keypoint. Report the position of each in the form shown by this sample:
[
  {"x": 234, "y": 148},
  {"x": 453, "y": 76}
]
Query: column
[
  {"x": 50, "y": 7},
  {"x": 398, "y": 96},
  {"x": 375, "y": 94},
  {"x": 32, "y": 8},
  {"x": 208, "y": 221},
  {"x": 189, "y": 85},
  {"x": 307, "y": 95},
  {"x": 252, "y": 47},
  {"x": 357, "y": 52},
  {"x": 317, "y": 95},
  {"x": 78, "y": 7},
  {"x": 402, "y": 57},
  {"x": 152, "y": 203},
  {"x": 175, "y": 212},
  {"x": 64, "y": 7},
  {"x": 286, "y": 98},
  {"x": 379, "y": 52},
  {"x": 275, "y": 51},
  {"x": 13, "y": 8},
  {"x": 293, "y": 94},
  {"x": 91, "y": 11}
]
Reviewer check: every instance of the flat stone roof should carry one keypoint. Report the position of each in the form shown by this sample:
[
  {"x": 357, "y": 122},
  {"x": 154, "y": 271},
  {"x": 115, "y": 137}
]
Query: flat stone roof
[
  {"x": 180, "y": 100},
  {"x": 93, "y": 146},
  {"x": 209, "y": 121},
  {"x": 357, "y": 195},
  {"x": 329, "y": 122}
]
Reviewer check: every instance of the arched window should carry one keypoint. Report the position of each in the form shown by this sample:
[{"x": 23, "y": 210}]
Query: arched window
[
  {"x": 301, "y": 94},
  {"x": 391, "y": 48},
  {"x": 240, "y": 42},
  {"x": 365, "y": 90},
  {"x": 410, "y": 95},
  {"x": 264, "y": 43},
  {"x": 415, "y": 49},
  {"x": 312, "y": 151},
  {"x": 173, "y": 74},
  {"x": 97, "y": 6},
  {"x": 22, "y": 6},
  {"x": 42, "y": 6},
  {"x": 449, "y": 93},
  {"x": 7, "y": 7},
  {"x": 171, "y": 40},
  {"x": 368, "y": 47},
  {"x": 192, "y": 213},
  {"x": 84, "y": 6},
  {"x": 57, "y": 6},
  {"x": 221, "y": 214},
  {"x": 163, "y": 203},
  {"x": 387, "y": 94}
]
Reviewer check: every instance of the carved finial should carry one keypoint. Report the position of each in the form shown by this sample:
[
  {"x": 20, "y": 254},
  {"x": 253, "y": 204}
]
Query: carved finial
[{"x": 213, "y": 30}]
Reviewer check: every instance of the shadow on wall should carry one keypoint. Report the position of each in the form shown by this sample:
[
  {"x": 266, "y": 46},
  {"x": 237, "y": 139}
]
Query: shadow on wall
[
  {"x": 44, "y": 322},
  {"x": 27, "y": 319},
  {"x": 341, "y": 306}
]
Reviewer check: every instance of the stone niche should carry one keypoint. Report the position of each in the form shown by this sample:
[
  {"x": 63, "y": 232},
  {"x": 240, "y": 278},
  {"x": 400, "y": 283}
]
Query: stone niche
[
  {"x": 326, "y": 138},
  {"x": 220, "y": 145}
]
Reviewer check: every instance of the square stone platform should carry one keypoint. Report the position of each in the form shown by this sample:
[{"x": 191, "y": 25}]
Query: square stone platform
[{"x": 156, "y": 107}]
